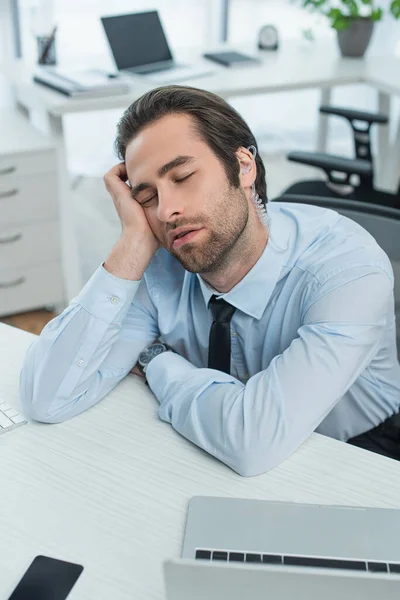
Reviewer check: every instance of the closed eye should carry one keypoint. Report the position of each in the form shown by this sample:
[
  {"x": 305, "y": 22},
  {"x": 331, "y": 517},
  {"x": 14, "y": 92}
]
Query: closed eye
[
  {"x": 147, "y": 201},
  {"x": 183, "y": 178}
]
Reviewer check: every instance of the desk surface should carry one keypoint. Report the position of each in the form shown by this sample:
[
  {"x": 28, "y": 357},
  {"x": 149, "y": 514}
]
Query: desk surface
[
  {"x": 110, "y": 488},
  {"x": 295, "y": 66}
]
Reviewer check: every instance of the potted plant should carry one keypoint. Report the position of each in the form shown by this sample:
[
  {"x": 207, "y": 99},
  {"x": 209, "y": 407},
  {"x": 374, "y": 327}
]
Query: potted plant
[{"x": 353, "y": 20}]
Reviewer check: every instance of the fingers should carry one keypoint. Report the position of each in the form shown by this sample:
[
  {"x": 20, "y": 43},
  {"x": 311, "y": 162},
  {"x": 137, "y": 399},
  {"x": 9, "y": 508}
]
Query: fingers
[
  {"x": 115, "y": 181},
  {"x": 136, "y": 371},
  {"x": 120, "y": 171}
]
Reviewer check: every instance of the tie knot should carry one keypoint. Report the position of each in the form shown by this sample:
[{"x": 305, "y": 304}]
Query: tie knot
[{"x": 221, "y": 310}]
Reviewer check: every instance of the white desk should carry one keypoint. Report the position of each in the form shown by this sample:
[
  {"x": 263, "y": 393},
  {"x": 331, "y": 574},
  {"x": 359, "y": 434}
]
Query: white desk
[
  {"x": 293, "y": 67},
  {"x": 109, "y": 489}
]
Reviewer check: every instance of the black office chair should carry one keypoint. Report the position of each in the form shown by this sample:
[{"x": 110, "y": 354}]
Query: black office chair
[
  {"x": 382, "y": 222},
  {"x": 349, "y": 178}
]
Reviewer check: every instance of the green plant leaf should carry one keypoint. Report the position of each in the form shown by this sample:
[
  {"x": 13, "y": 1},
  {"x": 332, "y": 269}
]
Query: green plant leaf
[
  {"x": 314, "y": 3},
  {"x": 340, "y": 23},
  {"x": 352, "y": 7},
  {"x": 339, "y": 17},
  {"x": 395, "y": 8},
  {"x": 376, "y": 14},
  {"x": 335, "y": 13}
]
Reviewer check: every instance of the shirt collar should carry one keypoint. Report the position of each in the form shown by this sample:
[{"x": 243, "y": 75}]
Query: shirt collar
[{"x": 251, "y": 295}]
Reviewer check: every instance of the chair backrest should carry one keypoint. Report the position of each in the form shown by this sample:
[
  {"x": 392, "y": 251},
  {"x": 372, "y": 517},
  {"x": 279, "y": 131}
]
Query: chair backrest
[{"x": 382, "y": 222}]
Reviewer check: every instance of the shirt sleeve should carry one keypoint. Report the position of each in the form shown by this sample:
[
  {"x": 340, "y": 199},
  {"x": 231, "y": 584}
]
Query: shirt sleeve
[
  {"x": 254, "y": 427},
  {"x": 83, "y": 353}
]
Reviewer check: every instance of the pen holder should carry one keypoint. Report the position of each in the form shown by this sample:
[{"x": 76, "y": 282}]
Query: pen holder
[{"x": 46, "y": 49}]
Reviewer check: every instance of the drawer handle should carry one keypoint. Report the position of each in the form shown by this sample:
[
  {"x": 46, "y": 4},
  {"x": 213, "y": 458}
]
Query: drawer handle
[
  {"x": 8, "y": 170},
  {"x": 11, "y": 239},
  {"x": 14, "y": 283},
  {"x": 9, "y": 194}
]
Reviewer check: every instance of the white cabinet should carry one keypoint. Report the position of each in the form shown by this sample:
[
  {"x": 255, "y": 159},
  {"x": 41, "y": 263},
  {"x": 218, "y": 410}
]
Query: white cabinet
[{"x": 30, "y": 264}]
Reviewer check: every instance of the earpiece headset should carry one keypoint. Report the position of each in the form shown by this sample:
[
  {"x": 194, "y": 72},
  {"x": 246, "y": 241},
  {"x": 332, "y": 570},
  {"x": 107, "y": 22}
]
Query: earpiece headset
[
  {"x": 261, "y": 210},
  {"x": 253, "y": 150}
]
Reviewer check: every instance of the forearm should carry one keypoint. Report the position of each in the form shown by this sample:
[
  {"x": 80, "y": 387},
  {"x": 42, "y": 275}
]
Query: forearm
[
  {"x": 129, "y": 258},
  {"x": 251, "y": 428},
  {"x": 80, "y": 355},
  {"x": 197, "y": 404},
  {"x": 254, "y": 427}
]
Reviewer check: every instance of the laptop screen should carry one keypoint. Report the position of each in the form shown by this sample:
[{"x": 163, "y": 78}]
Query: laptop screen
[{"x": 136, "y": 39}]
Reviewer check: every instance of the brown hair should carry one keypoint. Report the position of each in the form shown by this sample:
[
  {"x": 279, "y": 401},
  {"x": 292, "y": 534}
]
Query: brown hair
[{"x": 219, "y": 125}]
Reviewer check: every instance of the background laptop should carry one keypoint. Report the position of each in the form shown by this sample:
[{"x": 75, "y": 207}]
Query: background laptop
[
  {"x": 294, "y": 550},
  {"x": 139, "y": 45}
]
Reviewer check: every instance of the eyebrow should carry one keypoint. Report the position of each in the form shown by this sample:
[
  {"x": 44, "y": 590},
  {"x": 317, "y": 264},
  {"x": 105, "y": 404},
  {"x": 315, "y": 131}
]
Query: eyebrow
[{"x": 162, "y": 171}]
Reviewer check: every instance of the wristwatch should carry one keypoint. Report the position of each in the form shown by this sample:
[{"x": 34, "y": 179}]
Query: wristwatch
[{"x": 147, "y": 355}]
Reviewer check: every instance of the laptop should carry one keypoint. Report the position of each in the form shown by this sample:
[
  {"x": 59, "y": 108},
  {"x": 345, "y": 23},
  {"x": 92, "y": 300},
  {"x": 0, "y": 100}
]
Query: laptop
[
  {"x": 296, "y": 549},
  {"x": 189, "y": 579},
  {"x": 139, "y": 46}
]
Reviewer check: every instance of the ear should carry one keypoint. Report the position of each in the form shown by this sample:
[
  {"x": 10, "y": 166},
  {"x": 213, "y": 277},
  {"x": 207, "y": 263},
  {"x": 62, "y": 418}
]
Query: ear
[{"x": 247, "y": 165}]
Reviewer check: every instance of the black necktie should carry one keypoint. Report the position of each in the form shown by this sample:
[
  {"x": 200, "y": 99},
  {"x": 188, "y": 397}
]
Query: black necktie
[{"x": 219, "y": 348}]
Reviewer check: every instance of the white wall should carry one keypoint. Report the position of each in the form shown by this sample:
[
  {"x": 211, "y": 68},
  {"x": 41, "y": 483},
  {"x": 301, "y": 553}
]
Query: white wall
[{"x": 280, "y": 121}]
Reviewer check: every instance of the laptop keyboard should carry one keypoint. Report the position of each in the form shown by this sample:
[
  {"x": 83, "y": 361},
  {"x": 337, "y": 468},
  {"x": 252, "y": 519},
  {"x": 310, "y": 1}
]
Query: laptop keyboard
[
  {"x": 298, "y": 561},
  {"x": 9, "y": 418}
]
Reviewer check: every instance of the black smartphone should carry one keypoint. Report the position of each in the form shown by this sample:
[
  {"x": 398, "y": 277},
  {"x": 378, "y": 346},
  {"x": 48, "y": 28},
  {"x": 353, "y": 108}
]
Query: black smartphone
[{"x": 47, "y": 579}]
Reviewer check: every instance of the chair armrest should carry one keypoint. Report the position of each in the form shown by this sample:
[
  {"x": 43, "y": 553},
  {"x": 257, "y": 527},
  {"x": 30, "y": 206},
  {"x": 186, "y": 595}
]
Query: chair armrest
[
  {"x": 357, "y": 115},
  {"x": 332, "y": 165},
  {"x": 340, "y": 204},
  {"x": 331, "y": 162}
]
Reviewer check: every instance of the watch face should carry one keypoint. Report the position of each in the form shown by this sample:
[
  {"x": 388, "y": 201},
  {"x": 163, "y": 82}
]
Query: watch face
[
  {"x": 151, "y": 352},
  {"x": 268, "y": 37}
]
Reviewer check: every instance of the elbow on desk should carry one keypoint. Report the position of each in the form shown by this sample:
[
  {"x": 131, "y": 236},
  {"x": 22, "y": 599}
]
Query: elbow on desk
[
  {"x": 257, "y": 460},
  {"x": 40, "y": 415},
  {"x": 258, "y": 450},
  {"x": 38, "y": 411},
  {"x": 251, "y": 466},
  {"x": 35, "y": 404}
]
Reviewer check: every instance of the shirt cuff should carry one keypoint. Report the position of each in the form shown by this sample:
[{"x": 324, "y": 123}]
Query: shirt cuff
[
  {"x": 166, "y": 368},
  {"x": 107, "y": 297}
]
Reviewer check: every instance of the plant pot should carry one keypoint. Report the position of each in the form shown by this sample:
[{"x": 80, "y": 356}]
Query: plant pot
[{"x": 354, "y": 40}]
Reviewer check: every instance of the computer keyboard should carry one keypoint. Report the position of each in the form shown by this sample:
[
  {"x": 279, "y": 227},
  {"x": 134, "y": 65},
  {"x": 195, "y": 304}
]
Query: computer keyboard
[
  {"x": 298, "y": 561},
  {"x": 9, "y": 418}
]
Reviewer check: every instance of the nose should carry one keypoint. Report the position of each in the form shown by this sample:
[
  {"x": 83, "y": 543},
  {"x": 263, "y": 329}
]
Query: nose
[{"x": 170, "y": 205}]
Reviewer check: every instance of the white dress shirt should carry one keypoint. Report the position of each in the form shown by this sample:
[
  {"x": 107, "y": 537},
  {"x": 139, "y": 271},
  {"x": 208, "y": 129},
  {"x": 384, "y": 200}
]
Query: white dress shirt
[{"x": 313, "y": 344}]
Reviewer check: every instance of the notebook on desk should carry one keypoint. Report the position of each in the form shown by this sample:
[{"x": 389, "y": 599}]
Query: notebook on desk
[
  {"x": 90, "y": 83},
  {"x": 231, "y": 58}
]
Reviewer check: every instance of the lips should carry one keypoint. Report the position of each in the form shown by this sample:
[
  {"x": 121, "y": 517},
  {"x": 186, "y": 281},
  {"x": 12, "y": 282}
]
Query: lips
[
  {"x": 180, "y": 232},
  {"x": 183, "y": 237}
]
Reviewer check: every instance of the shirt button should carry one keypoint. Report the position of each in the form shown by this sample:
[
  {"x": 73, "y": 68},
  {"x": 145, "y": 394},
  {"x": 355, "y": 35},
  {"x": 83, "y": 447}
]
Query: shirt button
[
  {"x": 246, "y": 375},
  {"x": 114, "y": 299},
  {"x": 234, "y": 334},
  {"x": 80, "y": 362}
]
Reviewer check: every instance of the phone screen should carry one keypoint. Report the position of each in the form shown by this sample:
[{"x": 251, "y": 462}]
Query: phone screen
[{"x": 47, "y": 579}]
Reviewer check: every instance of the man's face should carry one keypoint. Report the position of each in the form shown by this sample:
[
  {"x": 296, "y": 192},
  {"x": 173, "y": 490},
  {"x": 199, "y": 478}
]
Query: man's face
[{"x": 181, "y": 184}]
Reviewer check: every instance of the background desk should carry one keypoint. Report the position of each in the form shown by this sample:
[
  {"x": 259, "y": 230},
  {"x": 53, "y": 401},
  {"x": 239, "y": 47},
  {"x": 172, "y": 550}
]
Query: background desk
[
  {"x": 110, "y": 488},
  {"x": 294, "y": 67}
]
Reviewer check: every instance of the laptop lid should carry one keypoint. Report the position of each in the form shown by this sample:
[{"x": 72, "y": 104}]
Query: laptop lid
[
  {"x": 136, "y": 39},
  {"x": 196, "y": 580},
  {"x": 293, "y": 533}
]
